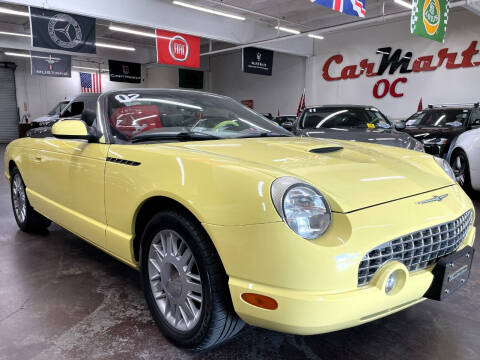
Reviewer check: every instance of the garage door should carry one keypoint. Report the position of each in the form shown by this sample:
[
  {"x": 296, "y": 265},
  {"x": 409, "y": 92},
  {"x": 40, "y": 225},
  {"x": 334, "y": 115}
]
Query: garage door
[{"x": 8, "y": 106}]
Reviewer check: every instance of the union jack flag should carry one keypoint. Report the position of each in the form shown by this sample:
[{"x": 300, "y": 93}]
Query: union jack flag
[
  {"x": 349, "y": 7},
  {"x": 90, "y": 83}
]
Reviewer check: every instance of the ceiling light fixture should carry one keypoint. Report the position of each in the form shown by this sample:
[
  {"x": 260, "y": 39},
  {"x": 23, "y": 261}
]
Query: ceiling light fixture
[
  {"x": 404, "y": 3},
  {"x": 131, "y": 31},
  {"x": 14, "y": 34},
  {"x": 14, "y": 12},
  {"x": 318, "y": 37},
  {"x": 89, "y": 68},
  {"x": 9, "y": 53},
  {"x": 291, "y": 31},
  {"x": 118, "y": 47},
  {"x": 211, "y": 11}
]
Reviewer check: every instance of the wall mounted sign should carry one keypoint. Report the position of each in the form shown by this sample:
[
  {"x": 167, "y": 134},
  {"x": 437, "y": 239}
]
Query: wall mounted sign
[
  {"x": 248, "y": 103},
  {"x": 50, "y": 64},
  {"x": 349, "y": 7},
  {"x": 61, "y": 31},
  {"x": 393, "y": 61},
  {"x": 190, "y": 79},
  {"x": 178, "y": 49},
  {"x": 429, "y": 19},
  {"x": 122, "y": 71},
  {"x": 257, "y": 61}
]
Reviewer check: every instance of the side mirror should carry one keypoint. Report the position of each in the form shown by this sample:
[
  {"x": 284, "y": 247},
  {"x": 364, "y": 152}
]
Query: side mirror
[
  {"x": 287, "y": 125},
  {"x": 74, "y": 129},
  {"x": 400, "y": 125}
]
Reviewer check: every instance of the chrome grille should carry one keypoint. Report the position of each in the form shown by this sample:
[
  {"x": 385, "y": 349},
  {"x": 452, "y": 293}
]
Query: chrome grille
[{"x": 418, "y": 249}]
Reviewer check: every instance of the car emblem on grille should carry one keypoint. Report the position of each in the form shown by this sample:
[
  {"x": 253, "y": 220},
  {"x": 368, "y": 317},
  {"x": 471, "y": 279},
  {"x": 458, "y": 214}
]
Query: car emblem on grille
[{"x": 433, "y": 199}]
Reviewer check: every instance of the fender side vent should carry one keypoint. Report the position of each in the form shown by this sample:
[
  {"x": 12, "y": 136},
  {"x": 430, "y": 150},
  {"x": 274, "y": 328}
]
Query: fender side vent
[
  {"x": 326, "y": 150},
  {"x": 122, "y": 161}
]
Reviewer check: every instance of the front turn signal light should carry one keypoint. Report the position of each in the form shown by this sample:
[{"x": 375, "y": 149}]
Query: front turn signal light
[{"x": 260, "y": 301}]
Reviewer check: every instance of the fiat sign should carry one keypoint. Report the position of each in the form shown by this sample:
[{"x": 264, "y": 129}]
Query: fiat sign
[{"x": 178, "y": 49}]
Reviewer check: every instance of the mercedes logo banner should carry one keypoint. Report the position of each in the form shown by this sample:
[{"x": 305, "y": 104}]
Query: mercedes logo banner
[
  {"x": 178, "y": 49},
  {"x": 122, "y": 71},
  {"x": 257, "y": 61},
  {"x": 50, "y": 64},
  {"x": 61, "y": 31}
]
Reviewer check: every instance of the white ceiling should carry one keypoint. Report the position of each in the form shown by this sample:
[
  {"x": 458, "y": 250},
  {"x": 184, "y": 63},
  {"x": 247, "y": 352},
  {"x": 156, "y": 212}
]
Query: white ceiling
[
  {"x": 299, "y": 14},
  {"x": 302, "y": 12}
]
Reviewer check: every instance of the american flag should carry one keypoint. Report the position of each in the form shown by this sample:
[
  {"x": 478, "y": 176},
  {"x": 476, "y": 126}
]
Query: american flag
[
  {"x": 350, "y": 7},
  {"x": 91, "y": 83}
]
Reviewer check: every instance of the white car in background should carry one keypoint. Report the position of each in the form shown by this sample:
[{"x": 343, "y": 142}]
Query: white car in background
[{"x": 464, "y": 155}]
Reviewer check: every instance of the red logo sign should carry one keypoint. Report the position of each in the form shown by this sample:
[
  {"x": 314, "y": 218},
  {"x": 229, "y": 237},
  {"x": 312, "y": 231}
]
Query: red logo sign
[
  {"x": 178, "y": 49},
  {"x": 247, "y": 103},
  {"x": 393, "y": 61}
]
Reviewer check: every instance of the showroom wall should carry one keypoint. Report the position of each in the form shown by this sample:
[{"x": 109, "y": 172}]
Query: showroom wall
[
  {"x": 439, "y": 86},
  {"x": 37, "y": 95},
  {"x": 281, "y": 91},
  {"x": 158, "y": 76}
]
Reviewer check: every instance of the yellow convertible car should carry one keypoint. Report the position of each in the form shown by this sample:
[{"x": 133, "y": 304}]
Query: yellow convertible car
[{"x": 231, "y": 220}]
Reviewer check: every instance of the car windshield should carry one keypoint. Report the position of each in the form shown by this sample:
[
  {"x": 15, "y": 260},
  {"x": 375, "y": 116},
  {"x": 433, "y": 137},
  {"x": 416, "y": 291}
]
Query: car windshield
[
  {"x": 166, "y": 115},
  {"x": 58, "y": 108},
  {"x": 439, "y": 118},
  {"x": 338, "y": 117}
]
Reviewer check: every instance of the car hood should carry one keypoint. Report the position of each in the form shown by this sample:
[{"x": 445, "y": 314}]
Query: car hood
[
  {"x": 351, "y": 175},
  {"x": 423, "y": 133},
  {"x": 375, "y": 136},
  {"x": 45, "y": 118}
]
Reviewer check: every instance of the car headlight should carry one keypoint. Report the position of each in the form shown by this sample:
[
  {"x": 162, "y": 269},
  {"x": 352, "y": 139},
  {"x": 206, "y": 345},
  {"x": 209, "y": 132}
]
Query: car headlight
[
  {"x": 301, "y": 206},
  {"x": 435, "y": 141},
  {"x": 446, "y": 167},
  {"x": 418, "y": 146}
]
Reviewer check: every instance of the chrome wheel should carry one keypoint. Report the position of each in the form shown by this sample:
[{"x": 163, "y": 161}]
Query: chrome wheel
[
  {"x": 175, "y": 280},
  {"x": 19, "y": 198},
  {"x": 459, "y": 165}
]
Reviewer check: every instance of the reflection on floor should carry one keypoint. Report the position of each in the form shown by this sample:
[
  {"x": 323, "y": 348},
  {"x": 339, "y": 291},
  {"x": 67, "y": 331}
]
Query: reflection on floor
[{"x": 61, "y": 298}]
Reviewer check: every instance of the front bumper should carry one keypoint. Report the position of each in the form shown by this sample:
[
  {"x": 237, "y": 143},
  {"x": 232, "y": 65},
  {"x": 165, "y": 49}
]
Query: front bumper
[
  {"x": 309, "y": 312},
  {"x": 315, "y": 282}
]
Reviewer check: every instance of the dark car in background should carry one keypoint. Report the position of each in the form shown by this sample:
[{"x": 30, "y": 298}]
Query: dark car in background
[
  {"x": 353, "y": 122},
  {"x": 74, "y": 110},
  {"x": 287, "y": 121},
  {"x": 439, "y": 125},
  {"x": 52, "y": 115}
]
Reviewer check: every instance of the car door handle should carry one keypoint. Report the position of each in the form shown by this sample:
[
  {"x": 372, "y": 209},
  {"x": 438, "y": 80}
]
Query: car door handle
[{"x": 38, "y": 157}]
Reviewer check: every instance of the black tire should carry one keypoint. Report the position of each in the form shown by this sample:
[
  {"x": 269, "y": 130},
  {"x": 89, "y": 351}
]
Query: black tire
[
  {"x": 461, "y": 168},
  {"x": 217, "y": 320},
  {"x": 33, "y": 221}
]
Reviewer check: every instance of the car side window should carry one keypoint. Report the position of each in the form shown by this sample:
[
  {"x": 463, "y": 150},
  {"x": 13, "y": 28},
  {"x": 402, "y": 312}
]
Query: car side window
[
  {"x": 416, "y": 118},
  {"x": 475, "y": 118},
  {"x": 74, "y": 109}
]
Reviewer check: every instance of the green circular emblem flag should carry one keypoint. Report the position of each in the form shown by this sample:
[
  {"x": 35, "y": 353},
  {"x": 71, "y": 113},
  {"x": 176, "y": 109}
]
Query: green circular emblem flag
[{"x": 429, "y": 18}]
